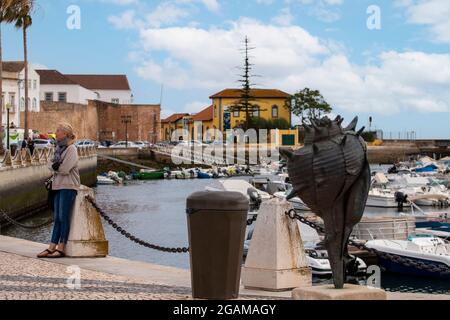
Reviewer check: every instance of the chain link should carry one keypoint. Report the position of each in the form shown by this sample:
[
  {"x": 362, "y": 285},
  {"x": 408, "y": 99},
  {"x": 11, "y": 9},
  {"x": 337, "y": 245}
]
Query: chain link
[
  {"x": 131, "y": 237},
  {"x": 407, "y": 262},
  {"x": 252, "y": 220},
  {"x": 21, "y": 225}
]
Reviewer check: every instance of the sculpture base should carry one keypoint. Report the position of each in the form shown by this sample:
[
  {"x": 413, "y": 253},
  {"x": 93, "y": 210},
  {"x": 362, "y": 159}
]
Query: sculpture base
[
  {"x": 275, "y": 280},
  {"x": 350, "y": 292}
]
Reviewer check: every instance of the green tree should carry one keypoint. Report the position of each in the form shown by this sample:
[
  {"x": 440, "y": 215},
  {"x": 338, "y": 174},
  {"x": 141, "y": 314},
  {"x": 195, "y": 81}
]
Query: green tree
[
  {"x": 246, "y": 103},
  {"x": 309, "y": 104},
  {"x": 5, "y": 11},
  {"x": 20, "y": 14}
]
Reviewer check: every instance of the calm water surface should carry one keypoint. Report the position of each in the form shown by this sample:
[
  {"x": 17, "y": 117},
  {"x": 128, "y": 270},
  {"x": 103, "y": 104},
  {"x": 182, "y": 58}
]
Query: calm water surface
[{"x": 155, "y": 211}]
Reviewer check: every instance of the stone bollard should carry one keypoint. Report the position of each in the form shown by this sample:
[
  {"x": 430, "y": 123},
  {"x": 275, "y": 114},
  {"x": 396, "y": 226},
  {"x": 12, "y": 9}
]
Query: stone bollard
[
  {"x": 86, "y": 237},
  {"x": 276, "y": 259}
]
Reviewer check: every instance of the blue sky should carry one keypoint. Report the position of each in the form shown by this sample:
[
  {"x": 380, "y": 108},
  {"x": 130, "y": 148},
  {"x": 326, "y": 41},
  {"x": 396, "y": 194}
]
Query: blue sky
[{"x": 398, "y": 74}]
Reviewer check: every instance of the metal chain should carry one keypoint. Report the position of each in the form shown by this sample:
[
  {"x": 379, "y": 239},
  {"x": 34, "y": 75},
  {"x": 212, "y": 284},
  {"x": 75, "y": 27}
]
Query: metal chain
[
  {"x": 251, "y": 220},
  {"x": 407, "y": 262},
  {"x": 131, "y": 237},
  {"x": 21, "y": 225}
]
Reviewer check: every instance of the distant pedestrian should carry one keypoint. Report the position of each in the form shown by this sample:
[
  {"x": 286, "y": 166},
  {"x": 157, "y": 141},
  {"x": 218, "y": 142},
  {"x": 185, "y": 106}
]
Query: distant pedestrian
[
  {"x": 66, "y": 182},
  {"x": 30, "y": 145}
]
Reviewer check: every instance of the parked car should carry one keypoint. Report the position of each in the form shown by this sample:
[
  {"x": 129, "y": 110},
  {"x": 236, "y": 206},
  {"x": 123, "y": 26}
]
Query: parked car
[
  {"x": 141, "y": 144},
  {"x": 43, "y": 143},
  {"x": 85, "y": 143},
  {"x": 123, "y": 144}
]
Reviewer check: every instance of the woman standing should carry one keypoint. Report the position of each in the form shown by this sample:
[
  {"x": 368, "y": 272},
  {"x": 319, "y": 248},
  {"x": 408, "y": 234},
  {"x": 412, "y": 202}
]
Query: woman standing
[{"x": 66, "y": 182}]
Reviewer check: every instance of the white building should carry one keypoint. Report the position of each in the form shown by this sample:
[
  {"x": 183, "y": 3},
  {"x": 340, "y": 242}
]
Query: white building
[
  {"x": 108, "y": 88},
  {"x": 14, "y": 91},
  {"x": 56, "y": 86}
]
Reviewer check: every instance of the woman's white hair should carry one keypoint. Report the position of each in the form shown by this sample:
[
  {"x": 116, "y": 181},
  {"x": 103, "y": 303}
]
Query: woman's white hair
[{"x": 68, "y": 129}]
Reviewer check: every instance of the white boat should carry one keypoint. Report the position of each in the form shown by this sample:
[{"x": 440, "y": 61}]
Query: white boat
[
  {"x": 237, "y": 185},
  {"x": 430, "y": 250},
  {"x": 381, "y": 198},
  {"x": 102, "y": 180},
  {"x": 296, "y": 202},
  {"x": 320, "y": 264}
]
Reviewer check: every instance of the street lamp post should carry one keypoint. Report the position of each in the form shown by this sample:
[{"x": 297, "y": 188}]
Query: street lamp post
[
  {"x": 126, "y": 120},
  {"x": 8, "y": 106}
]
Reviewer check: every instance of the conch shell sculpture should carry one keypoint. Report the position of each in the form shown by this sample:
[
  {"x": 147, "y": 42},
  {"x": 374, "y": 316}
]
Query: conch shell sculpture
[{"x": 331, "y": 174}]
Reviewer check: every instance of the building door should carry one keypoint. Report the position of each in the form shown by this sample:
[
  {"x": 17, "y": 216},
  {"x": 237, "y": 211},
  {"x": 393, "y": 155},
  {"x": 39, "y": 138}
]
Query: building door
[
  {"x": 288, "y": 140},
  {"x": 226, "y": 121}
]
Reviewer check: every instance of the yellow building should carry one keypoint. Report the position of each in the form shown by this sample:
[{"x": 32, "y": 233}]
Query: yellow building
[
  {"x": 271, "y": 103},
  {"x": 172, "y": 123}
]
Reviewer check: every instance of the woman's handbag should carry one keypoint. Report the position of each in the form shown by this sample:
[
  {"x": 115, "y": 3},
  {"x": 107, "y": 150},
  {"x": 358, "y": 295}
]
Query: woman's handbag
[{"x": 51, "y": 193}]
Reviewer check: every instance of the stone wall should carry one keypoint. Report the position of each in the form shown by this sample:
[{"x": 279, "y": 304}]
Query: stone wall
[
  {"x": 144, "y": 126},
  {"x": 99, "y": 120},
  {"x": 83, "y": 118}
]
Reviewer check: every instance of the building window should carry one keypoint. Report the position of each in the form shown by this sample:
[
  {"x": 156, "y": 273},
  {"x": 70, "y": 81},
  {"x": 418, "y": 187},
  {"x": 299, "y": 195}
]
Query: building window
[
  {"x": 115, "y": 100},
  {"x": 236, "y": 114},
  {"x": 3, "y": 103},
  {"x": 34, "y": 84},
  {"x": 34, "y": 104},
  {"x": 256, "y": 112},
  {"x": 29, "y": 103},
  {"x": 62, "y": 96},
  {"x": 22, "y": 104},
  {"x": 215, "y": 112},
  {"x": 29, "y": 84},
  {"x": 49, "y": 96},
  {"x": 12, "y": 100},
  {"x": 274, "y": 111}
]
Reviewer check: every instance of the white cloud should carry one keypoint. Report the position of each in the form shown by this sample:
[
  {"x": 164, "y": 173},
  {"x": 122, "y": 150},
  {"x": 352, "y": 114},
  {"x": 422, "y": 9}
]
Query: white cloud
[
  {"x": 165, "y": 13},
  {"x": 284, "y": 18},
  {"x": 127, "y": 20},
  {"x": 121, "y": 2},
  {"x": 290, "y": 58},
  {"x": 432, "y": 13},
  {"x": 212, "y": 5},
  {"x": 323, "y": 10}
]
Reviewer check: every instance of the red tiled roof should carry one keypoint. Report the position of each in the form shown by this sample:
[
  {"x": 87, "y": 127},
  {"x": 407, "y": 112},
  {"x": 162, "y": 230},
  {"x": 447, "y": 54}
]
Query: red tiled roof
[
  {"x": 101, "y": 81},
  {"x": 256, "y": 93},
  {"x": 204, "y": 115},
  {"x": 175, "y": 117},
  {"x": 54, "y": 77},
  {"x": 13, "y": 66}
]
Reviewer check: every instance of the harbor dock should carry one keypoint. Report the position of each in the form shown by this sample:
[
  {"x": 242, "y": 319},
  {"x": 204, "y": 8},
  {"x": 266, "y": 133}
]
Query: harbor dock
[{"x": 23, "y": 276}]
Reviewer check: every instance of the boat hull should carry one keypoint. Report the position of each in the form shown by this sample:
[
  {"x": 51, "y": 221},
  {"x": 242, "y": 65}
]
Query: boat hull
[
  {"x": 396, "y": 267},
  {"x": 150, "y": 175}
]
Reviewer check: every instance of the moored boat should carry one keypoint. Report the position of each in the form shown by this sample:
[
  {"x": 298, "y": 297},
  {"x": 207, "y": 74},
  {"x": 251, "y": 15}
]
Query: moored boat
[{"x": 431, "y": 251}]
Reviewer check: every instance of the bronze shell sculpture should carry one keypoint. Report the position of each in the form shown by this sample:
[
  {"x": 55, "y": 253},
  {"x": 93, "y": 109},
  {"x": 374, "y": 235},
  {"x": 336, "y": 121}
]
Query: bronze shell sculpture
[{"x": 331, "y": 174}]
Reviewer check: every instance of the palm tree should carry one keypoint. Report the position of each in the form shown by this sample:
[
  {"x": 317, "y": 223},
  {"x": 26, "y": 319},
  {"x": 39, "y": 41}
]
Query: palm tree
[
  {"x": 5, "y": 7},
  {"x": 20, "y": 13}
]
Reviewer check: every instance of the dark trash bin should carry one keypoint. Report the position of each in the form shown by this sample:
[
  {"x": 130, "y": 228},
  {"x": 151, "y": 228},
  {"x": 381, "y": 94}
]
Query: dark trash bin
[{"x": 216, "y": 224}]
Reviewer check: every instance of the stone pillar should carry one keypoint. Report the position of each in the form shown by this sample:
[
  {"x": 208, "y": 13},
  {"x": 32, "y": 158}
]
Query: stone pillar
[
  {"x": 276, "y": 259},
  {"x": 86, "y": 237}
]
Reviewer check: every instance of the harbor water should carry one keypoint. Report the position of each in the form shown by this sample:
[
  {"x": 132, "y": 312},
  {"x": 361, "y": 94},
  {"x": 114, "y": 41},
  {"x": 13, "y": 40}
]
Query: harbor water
[{"x": 155, "y": 212}]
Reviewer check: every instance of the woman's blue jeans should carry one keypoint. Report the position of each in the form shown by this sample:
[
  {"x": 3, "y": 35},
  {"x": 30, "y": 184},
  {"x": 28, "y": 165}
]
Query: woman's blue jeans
[{"x": 64, "y": 200}]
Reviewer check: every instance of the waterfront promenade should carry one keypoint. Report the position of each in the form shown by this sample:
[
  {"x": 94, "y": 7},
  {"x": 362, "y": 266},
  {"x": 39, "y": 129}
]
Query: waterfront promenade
[{"x": 22, "y": 276}]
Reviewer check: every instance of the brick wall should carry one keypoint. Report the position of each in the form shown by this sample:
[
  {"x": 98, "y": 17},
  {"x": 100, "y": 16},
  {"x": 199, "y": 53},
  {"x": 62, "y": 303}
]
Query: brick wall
[
  {"x": 82, "y": 117},
  {"x": 99, "y": 120},
  {"x": 145, "y": 121}
]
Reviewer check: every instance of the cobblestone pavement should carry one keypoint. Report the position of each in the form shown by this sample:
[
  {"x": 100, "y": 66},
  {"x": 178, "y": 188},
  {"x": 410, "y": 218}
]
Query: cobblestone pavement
[{"x": 23, "y": 278}]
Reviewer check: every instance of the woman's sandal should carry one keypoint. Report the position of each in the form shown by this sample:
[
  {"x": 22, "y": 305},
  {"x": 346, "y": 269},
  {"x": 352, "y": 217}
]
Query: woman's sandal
[
  {"x": 45, "y": 253},
  {"x": 59, "y": 254}
]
